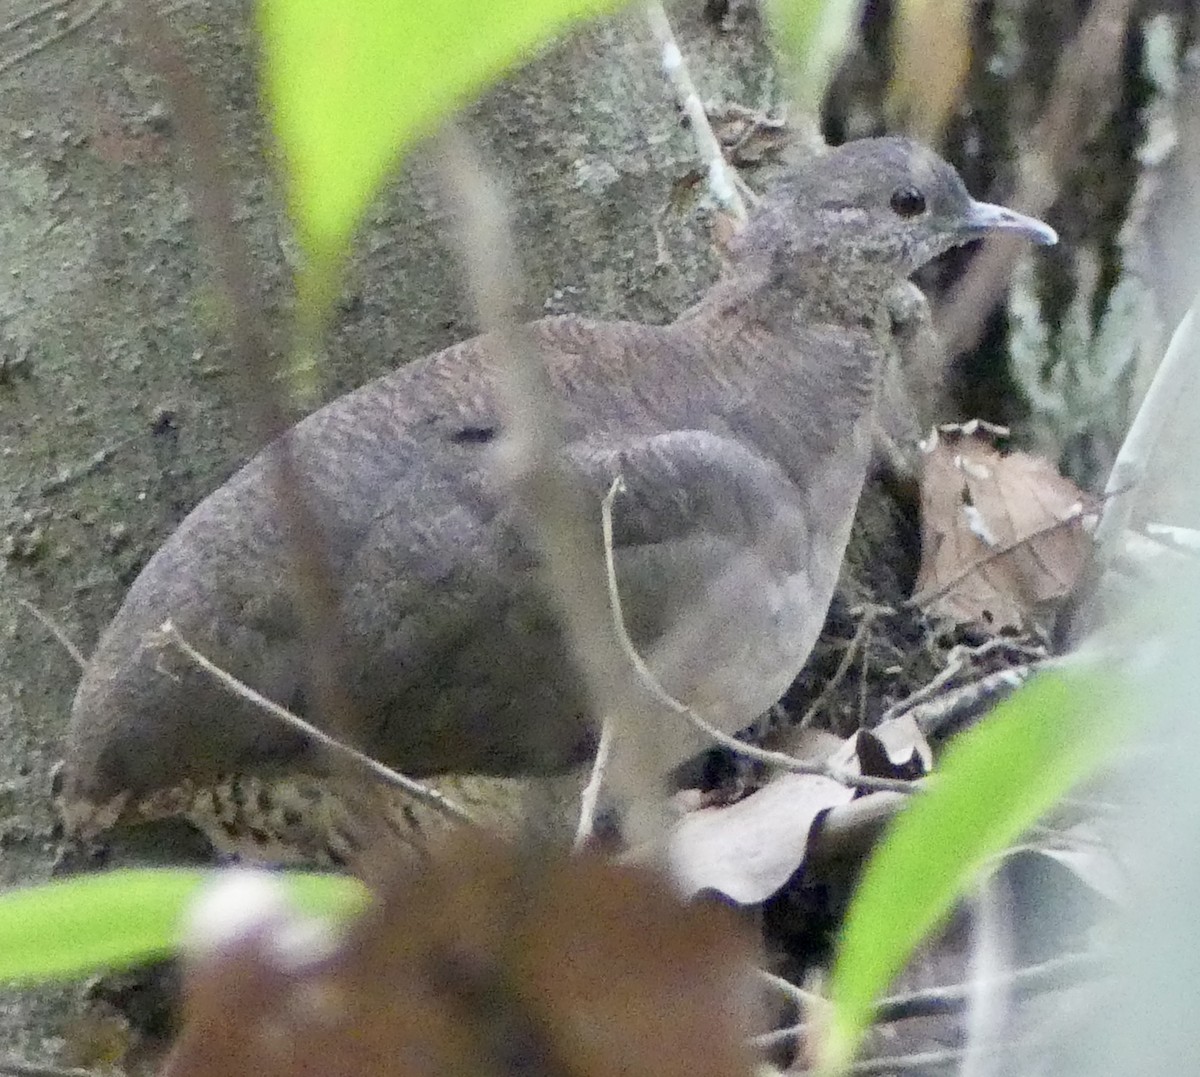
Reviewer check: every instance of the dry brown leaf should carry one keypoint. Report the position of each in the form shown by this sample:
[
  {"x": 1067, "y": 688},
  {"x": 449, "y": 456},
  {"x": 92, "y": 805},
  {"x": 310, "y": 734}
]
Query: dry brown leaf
[
  {"x": 748, "y": 850},
  {"x": 1001, "y": 535},
  {"x": 905, "y": 745},
  {"x": 893, "y": 749},
  {"x": 494, "y": 961}
]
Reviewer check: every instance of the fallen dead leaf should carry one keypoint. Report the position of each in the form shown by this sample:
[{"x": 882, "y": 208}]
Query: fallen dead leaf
[
  {"x": 893, "y": 749},
  {"x": 839, "y": 843},
  {"x": 748, "y": 850},
  {"x": 906, "y": 746},
  {"x": 1059, "y": 894},
  {"x": 1002, "y": 536},
  {"x": 1088, "y": 857}
]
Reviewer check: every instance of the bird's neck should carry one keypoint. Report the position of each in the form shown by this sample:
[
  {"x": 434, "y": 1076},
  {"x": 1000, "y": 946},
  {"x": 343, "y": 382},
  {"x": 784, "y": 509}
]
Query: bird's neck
[
  {"x": 829, "y": 287},
  {"x": 812, "y": 340},
  {"x": 794, "y": 369}
]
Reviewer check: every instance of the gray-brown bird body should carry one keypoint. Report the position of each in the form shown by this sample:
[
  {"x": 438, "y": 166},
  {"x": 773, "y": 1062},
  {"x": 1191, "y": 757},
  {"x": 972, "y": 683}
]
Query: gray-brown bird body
[{"x": 743, "y": 432}]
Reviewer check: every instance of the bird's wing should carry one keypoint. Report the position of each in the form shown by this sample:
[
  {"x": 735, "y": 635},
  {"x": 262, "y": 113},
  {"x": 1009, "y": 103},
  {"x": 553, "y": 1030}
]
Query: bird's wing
[
  {"x": 712, "y": 545},
  {"x": 457, "y": 656}
]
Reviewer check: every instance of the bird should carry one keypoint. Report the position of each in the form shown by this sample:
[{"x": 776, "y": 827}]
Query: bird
[{"x": 742, "y": 431}]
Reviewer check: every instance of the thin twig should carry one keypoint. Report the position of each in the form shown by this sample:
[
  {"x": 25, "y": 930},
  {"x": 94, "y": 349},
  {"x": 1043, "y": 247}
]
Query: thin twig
[
  {"x": 1051, "y": 975},
  {"x": 56, "y": 631},
  {"x": 168, "y": 633},
  {"x": 863, "y": 687},
  {"x": 781, "y": 1036},
  {"x": 919, "y": 1062},
  {"x": 874, "y": 1067},
  {"x": 589, "y": 799},
  {"x": 939, "y": 717},
  {"x": 958, "y": 658},
  {"x": 723, "y": 181},
  {"x": 990, "y": 998},
  {"x": 801, "y": 997},
  {"x": 651, "y": 683},
  {"x": 852, "y": 648},
  {"x": 558, "y": 519},
  {"x": 212, "y": 197}
]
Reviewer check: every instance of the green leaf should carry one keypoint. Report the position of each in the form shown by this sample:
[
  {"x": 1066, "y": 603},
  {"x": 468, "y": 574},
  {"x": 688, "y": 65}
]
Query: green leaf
[
  {"x": 73, "y": 927},
  {"x": 994, "y": 782},
  {"x": 810, "y": 38},
  {"x": 351, "y": 84}
]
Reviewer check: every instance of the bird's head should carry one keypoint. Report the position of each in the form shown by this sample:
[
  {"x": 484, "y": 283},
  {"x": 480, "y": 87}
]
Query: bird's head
[{"x": 885, "y": 205}]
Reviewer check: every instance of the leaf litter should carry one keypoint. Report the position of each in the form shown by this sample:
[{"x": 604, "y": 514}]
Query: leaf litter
[{"x": 1003, "y": 537}]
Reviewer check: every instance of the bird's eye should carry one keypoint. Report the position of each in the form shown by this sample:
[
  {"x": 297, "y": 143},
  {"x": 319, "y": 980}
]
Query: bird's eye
[{"x": 908, "y": 201}]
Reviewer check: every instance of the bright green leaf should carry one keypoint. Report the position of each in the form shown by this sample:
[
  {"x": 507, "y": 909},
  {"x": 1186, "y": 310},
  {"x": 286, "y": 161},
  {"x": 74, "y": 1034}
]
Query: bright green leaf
[
  {"x": 351, "y": 84},
  {"x": 73, "y": 927},
  {"x": 993, "y": 783}
]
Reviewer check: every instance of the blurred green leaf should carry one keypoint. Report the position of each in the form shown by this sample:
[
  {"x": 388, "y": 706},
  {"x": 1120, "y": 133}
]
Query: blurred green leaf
[
  {"x": 351, "y": 84},
  {"x": 810, "y": 38},
  {"x": 78, "y": 926},
  {"x": 994, "y": 782}
]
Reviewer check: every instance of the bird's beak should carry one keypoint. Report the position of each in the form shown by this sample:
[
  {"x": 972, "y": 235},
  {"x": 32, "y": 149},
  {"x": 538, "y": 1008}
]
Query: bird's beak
[{"x": 983, "y": 217}]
